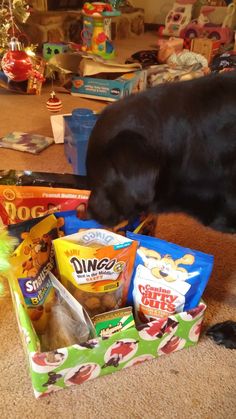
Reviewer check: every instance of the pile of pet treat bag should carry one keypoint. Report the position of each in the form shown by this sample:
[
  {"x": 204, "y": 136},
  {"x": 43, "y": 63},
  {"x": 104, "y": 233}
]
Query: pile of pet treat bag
[{"x": 90, "y": 300}]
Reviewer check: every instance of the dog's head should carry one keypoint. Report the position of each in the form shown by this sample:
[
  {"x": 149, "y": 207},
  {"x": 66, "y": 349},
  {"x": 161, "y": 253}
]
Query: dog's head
[{"x": 122, "y": 174}]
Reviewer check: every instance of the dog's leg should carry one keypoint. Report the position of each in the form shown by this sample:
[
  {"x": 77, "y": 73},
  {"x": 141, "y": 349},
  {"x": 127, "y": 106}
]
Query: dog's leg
[{"x": 221, "y": 224}]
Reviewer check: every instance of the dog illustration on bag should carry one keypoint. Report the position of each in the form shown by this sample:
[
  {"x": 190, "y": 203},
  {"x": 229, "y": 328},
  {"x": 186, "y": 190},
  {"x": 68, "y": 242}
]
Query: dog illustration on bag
[
  {"x": 166, "y": 267},
  {"x": 38, "y": 252}
]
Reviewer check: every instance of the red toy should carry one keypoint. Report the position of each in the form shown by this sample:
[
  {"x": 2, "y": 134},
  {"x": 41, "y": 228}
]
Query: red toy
[{"x": 97, "y": 7}]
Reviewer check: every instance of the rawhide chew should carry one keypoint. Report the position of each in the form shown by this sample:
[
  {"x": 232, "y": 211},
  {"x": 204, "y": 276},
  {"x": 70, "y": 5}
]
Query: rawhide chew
[
  {"x": 58, "y": 319},
  {"x": 62, "y": 329}
]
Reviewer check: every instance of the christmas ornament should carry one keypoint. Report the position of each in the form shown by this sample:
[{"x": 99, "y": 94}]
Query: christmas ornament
[
  {"x": 16, "y": 64},
  {"x": 54, "y": 103}
]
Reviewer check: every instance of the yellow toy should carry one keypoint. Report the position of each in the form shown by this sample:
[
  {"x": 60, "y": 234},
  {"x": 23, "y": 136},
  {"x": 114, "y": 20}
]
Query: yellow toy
[{"x": 7, "y": 245}]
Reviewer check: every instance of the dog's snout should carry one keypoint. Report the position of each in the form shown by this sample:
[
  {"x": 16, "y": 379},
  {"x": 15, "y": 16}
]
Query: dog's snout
[{"x": 89, "y": 213}]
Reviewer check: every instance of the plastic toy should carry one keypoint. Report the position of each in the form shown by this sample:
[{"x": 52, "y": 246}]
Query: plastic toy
[
  {"x": 53, "y": 48},
  {"x": 221, "y": 3},
  {"x": 177, "y": 18},
  {"x": 202, "y": 27},
  {"x": 7, "y": 245},
  {"x": 96, "y": 33},
  {"x": 78, "y": 128}
]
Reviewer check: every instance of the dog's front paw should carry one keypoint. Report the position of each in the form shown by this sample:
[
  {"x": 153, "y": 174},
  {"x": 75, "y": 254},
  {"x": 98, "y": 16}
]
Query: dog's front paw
[{"x": 224, "y": 334}]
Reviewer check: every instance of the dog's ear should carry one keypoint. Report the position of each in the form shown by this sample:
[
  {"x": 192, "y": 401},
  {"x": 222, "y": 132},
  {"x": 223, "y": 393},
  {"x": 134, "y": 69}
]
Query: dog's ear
[
  {"x": 131, "y": 152},
  {"x": 133, "y": 169},
  {"x": 123, "y": 174}
]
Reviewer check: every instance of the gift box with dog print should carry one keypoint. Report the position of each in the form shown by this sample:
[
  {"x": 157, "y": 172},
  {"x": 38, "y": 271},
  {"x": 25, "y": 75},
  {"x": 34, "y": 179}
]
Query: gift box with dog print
[
  {"x": 95, "y": 354},
  {"x": 55, "y": 370}
]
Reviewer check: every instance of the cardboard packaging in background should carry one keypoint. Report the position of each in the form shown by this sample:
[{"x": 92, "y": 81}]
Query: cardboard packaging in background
[
  {"x": 206, "y": 47},
  {"x": 58, "y": 127},
  {"x": 109, "y": 90},
  {"x": 107, "y": 80}
]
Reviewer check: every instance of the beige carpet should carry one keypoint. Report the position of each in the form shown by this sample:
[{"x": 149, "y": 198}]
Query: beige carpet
[{"x": 196, "y": 383}]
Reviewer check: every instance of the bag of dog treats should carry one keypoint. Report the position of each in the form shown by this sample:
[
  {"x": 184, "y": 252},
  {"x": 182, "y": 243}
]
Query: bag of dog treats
[
  {"x": 54, "y": 180},
  {"x": 58, "y": 319},
  {"x": 21, "y": 203},
  {"x": 26, "y": 195},
  {"x": 96, "y": 266},
  {"x": 34, "y": 257},
  {"x": 68, "y": 222},
  {"x": 167, "y": 278},
  {"x": 74, "y": 224}
]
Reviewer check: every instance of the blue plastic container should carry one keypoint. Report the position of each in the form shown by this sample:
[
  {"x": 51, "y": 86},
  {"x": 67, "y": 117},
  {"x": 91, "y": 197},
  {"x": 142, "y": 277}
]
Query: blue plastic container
[
  {"x": 78, "y": 115},
  {"x": 78, "y": 128}
]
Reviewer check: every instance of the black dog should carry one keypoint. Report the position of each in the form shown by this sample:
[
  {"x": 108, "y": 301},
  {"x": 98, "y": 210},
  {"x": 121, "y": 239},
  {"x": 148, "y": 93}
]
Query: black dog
[{"x": 170, "y": 148}]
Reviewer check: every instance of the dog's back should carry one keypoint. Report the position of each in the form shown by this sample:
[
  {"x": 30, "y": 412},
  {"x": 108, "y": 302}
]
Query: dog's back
[
  {"x": 176, "y": 142},
  {"x": 188, "y": 100}
]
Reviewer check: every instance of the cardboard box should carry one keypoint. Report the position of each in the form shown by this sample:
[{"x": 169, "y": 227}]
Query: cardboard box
[
  {"x": 109, "y": 90},
  {"x": 64, "y": 367},
  {"x": 93, "y": 77},
  {"x": 206, "y": 47}
]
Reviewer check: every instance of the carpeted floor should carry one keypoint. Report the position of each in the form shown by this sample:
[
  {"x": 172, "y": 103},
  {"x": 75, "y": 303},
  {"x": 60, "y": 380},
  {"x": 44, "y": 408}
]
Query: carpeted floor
[{"x": 196, "y": 383}]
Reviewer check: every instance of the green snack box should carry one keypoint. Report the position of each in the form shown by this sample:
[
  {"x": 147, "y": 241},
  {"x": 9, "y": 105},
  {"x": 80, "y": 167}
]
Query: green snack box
[{"x": 115, "y": 321}]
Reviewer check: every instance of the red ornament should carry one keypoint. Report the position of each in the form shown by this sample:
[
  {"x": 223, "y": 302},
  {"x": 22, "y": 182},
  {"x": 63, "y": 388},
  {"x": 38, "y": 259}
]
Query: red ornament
[
  {"x": 54, "y": 103},
  {"x": 16, "y": 64}
]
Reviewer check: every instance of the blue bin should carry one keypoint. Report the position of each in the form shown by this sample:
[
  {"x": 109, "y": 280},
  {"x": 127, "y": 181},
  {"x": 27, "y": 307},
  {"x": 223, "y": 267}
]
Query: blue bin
[{"x": 78, "y": 128}]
